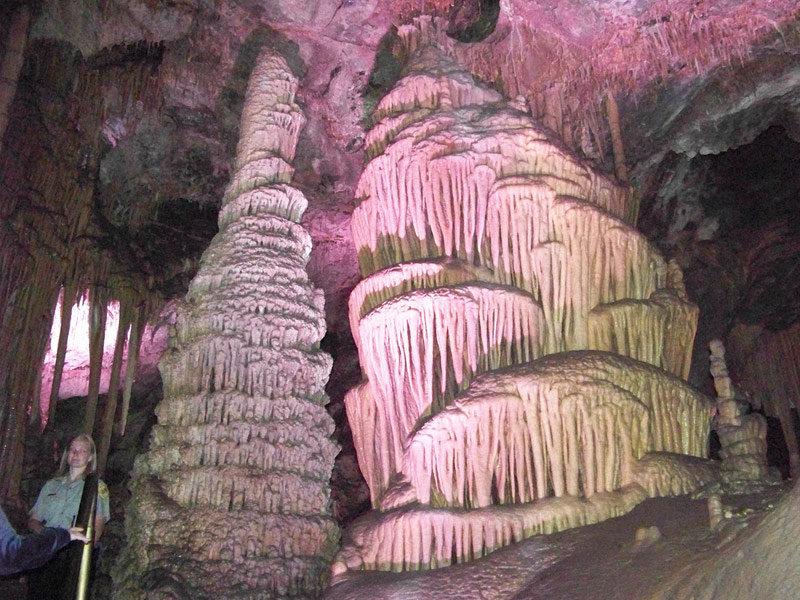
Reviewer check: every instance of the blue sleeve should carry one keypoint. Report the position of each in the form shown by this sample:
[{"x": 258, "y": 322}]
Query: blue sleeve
[{"x": 23, "y": 552}]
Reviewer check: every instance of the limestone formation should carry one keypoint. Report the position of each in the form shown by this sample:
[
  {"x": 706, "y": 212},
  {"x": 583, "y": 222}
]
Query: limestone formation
[
  {"x": 523, "y": 346},
  {"x": 768, "y": 376},
  {"x": 715, "y": 514},
  {"x": 742, "y": 435},
  {"x": 232, "y": 499}
]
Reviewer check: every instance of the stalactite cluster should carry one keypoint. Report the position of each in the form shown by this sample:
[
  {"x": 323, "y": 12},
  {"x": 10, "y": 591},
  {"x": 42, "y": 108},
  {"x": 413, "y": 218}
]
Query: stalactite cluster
[
  {"x": 45, "y": 213},
  {"x": 232, "y": 499},
  {"x": 426, "y": 538},
  {"x": 656, "y": 42},
  {"x": 535, "y": 431},
  {"x": 49, "y": 239},
  {"x": 627, "y": 327},
  {"x": 522, "y": 343},
  {"x": 421, "y": 348}
]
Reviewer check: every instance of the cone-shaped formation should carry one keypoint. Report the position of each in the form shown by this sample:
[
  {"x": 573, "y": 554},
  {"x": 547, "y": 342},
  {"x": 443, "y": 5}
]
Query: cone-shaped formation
[
  {"x": 504, "y": 328},
  {"x": 742, "y": 435},
  {"x": 232, "y": 500}
]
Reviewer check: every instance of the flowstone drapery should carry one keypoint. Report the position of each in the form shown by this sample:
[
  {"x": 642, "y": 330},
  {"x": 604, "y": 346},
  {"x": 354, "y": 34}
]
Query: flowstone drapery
[
  {"x": 524, "y": 347},
  {"x": 232, "y": 499}
]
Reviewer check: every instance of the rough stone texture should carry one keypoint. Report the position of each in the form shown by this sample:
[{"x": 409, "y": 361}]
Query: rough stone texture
[
  {"x": 743, "y": 436},
  {"x": 136, "y": 103},
  {"x": 766, "y": 370},
  {"x": 233, "y": 500},
  {"x": 487, "y": 245},
  {"x": 758, "y": 563}
]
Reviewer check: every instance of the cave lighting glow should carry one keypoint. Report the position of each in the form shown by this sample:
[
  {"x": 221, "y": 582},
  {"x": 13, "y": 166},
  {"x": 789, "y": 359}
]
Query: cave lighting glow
[{"x": 76, "y": 364}]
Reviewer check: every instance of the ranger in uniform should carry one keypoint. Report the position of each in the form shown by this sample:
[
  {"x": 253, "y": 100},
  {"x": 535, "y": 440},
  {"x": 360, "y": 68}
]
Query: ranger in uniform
[{"x": 57, "y": 506}]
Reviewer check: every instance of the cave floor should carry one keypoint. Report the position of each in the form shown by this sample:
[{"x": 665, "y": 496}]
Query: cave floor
[{"x": 597, "y": 562}]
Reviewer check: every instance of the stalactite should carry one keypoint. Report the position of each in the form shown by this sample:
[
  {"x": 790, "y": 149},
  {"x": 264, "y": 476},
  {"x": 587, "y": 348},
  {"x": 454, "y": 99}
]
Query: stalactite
[
  {"x": 405, "y": 277},
  {"x": 110, "y": 410},
  {"x": 612, "y": 111},
  {"x": 477, "y": 329},
  {"x": 639, "y": 48},
  {"x": 429, "y": 155},
  {"x": 47, "y": 204},
  {"x": 433, "y": 82},
  {"x": 98, "y": 311},
  {"x": 416, "y": 538},
  {"x": 134, "y": 344},
  {"x": 627, "y": 327},
  {"x": 68, "y": 297},
  {"x": 529, "y": 433},
  {"x": 28, "y": 318},
  {"x": 378, "y": 456}
]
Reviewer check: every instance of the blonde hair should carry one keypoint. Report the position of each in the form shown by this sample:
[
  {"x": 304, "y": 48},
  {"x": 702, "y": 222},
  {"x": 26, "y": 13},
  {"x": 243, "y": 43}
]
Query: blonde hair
[{"x": 91, "y": 466}]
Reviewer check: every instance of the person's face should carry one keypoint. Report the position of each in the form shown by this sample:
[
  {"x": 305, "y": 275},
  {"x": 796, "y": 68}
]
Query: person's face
[{"x": 78, "y": 454}]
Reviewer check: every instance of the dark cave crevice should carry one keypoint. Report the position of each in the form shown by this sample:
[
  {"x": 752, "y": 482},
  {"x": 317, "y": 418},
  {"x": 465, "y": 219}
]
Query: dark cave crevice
[
  {"x": 731, "y": 220},
  {"x": 473, "y": 20}
]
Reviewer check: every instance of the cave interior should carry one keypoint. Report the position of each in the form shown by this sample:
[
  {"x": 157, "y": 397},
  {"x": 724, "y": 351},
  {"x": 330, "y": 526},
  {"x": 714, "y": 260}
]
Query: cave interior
[{"x": 121, "y": 124}]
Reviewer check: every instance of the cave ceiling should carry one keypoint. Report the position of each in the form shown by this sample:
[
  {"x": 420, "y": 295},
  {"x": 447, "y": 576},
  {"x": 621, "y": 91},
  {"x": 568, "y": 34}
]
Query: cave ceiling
[{"x": 149, "y": 94}]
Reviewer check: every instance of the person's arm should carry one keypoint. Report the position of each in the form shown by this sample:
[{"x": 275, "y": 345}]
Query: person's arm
[
  {"x": 35, "y": 525},
  {"x": 23, "y": 552}
]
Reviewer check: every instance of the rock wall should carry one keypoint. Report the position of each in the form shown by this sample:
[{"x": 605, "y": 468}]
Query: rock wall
[{"x": 232, "y": 498}]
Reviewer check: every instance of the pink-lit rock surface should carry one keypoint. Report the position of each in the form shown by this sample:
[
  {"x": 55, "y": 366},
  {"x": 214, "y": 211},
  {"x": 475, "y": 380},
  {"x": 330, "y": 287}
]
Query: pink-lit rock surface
[
  {"x": 121, "y": 137},
  {"x": 489, "y": 249},
  {"x": 233, "y": 497},
  {"x": 75, "y": 375},
  {"x": 605, "y": 561}
]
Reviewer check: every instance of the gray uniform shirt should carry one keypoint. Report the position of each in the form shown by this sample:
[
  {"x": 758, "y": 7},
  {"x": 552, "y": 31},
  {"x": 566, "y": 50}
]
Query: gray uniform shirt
[{"x": 59, "y": 500}]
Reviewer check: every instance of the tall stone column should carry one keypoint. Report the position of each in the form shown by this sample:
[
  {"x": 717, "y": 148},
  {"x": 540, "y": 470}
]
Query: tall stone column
[
  {"x": 232, "y": 499},
  {"x": 742, "y": 435}
]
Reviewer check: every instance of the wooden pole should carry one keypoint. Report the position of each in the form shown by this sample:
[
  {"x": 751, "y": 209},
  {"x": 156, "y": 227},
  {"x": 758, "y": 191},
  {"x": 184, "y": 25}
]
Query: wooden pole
[{"x": 85, "y": 520}]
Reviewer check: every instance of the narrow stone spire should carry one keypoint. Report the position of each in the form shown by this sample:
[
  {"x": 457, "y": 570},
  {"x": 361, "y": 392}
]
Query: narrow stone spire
[{"x": 233, "y": 499}]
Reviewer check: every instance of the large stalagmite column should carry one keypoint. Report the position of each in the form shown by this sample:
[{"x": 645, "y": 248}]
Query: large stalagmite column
[
  {"x": 523, "y": 345},
  {"x": 232, "y": 499}
]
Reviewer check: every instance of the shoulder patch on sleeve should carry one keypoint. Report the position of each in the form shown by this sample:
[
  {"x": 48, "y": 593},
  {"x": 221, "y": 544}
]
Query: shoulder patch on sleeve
[{"x": 102, "y": 490}]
